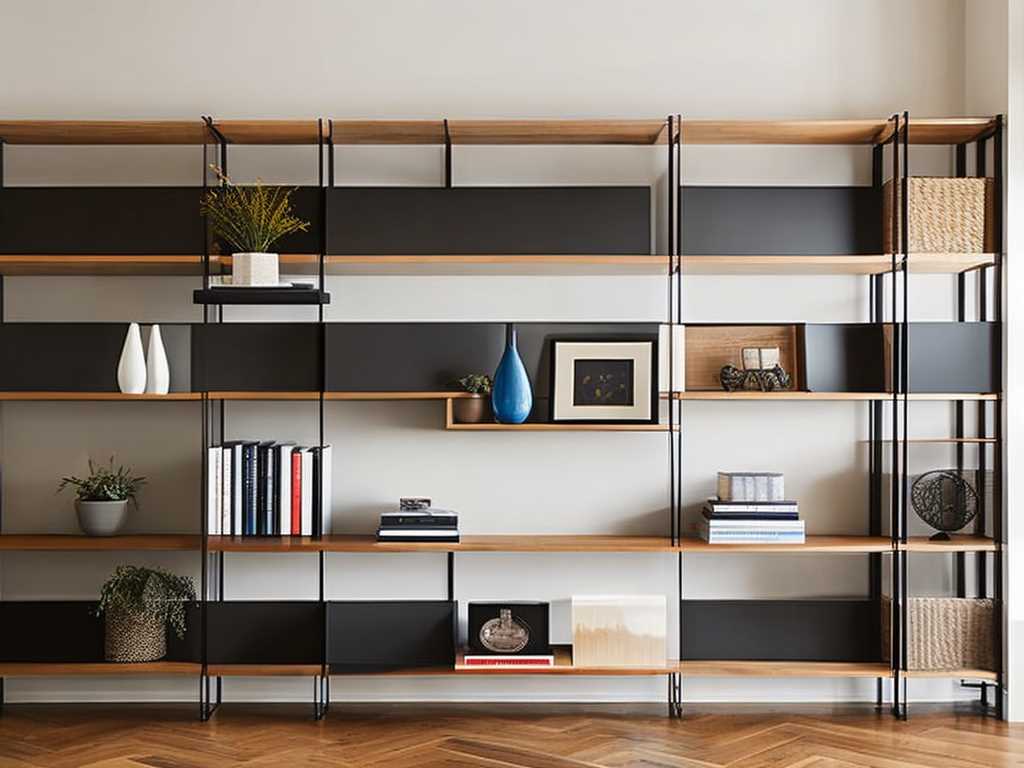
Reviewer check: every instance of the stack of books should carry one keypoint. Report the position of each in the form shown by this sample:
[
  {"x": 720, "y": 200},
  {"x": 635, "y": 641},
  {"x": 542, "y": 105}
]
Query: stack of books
[
  {"x": 751, "y": 522},
  {"x": 417, "y": 520},
  {"x": 266, "y": 488}
]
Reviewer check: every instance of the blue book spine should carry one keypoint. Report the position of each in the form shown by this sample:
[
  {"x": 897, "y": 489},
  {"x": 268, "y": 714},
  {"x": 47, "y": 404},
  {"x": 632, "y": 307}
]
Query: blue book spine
[{"x": 249, "y": 489}]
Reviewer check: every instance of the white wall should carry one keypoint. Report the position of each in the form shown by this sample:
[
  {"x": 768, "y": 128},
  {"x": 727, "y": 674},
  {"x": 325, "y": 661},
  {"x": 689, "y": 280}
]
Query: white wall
[{"x": 789, "y": 58}]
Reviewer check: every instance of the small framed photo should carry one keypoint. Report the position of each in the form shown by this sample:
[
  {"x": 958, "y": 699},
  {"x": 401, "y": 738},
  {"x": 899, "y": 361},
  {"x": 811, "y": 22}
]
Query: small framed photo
[{"x": 611, "y": 381}]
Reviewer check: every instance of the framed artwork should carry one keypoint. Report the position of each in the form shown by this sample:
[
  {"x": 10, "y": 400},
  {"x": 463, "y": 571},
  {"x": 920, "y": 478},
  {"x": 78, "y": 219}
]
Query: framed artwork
[{"x": 612, "y": 381}]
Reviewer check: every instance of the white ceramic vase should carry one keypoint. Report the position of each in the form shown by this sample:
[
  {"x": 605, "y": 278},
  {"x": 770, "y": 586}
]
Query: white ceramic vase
[
  {"x": 131, "y": 369},
  {"x": 158, "y": 375},
  {"x": 254, "y": 269}
]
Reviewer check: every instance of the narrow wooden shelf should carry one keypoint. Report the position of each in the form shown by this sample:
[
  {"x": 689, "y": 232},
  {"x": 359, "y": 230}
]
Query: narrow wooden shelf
[
  {"x": 942, "y": 440},
  {"x": 971, "y": 674},
  {"x": 598, "y": 131},
  {"x": 564, "y": 666},
  {"x": 949, "y": 130},
  {"x": 544, "y": 427},
  {"x": 919, "y": 263},
  {"x": 486, "y": 264},
  {"x": 351, "y": 396},
  {"x": 135, "y": 264},
  {"x": 869, "y": 131},
  {"x": 263, "y": 670},
  {"x": 58, "y": 542},
  {"x": 957, "y": 543},
  {"x": 833, "y": 544},
  {"x": 50, "y": 669},
  {"x": 783, "y": 669},
  {"x": 716, "y": 394},
  {"x": 479, "y": 543},
  {"x": 269, "y": 131},
  {"x": 99, "y": 396},
  {"x": 103, "y": 131}
]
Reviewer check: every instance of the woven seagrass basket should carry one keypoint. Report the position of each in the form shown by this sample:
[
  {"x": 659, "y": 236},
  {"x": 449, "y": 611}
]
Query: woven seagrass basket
[
  {"x": 133, "y": 637},
  {"x": 945, "y": 633},
  {"x": 946, "y": 215}
]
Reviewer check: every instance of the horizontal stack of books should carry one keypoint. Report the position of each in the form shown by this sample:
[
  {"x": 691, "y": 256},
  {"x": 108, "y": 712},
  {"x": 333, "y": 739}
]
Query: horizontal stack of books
[
  {"x": 417, "y": 520},
  {"x": 266, "y": 488},
  {"x": 754, "y": 511}
]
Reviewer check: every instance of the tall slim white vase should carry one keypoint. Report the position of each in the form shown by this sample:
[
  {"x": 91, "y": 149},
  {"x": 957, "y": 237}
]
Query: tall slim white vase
[
  {"x": 131, "y": 369},
  {"x": 158, "y": 374}
]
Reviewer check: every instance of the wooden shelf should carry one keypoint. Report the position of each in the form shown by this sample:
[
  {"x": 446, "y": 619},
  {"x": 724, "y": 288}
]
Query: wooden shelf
[
  {"x": 919, "y": 263},
  {"x": 270, "y": 131},
  {"x": 49, "y": 669},
  {"x": 101, "y": 396},
  {"x": 103, "y": 131},
  {"x": 855, "y": 396},
  {"x": 131, "y": 264},
  {"x": 564, "y": 666},
  {"x": 832, "y": 544},
  {"x": 478, "y": 543},
  {"x": 971, "y": 674},
  {"x": 263, "y": 670},
  {"x": 542, "y": 427},
  {"x": 783, "y": 669},
  {"x": 849, "y": 132},
  {"x": 957, "y": 543},
  {"x": 59, "y": 542},
  {"x": 494, "y": 132},
  {"x": 485, "y": 264}
]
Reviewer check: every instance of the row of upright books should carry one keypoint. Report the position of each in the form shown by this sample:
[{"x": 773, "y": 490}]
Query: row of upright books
[{"x": 267, "y": 488}]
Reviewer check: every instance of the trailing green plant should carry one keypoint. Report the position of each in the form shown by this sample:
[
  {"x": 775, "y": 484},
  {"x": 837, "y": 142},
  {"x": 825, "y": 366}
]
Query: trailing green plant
[
  {"x": 153, "y": 592},
  {"x": 476, "y": 383},
  {"x": 105, "y": 483},
  {"x": 252, "y": 217}
]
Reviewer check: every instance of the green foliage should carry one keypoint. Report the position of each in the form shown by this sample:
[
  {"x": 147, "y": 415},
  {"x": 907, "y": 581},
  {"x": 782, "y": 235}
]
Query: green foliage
[
  {"x": 250, "y": 218},
  {"x": 477, "y": 383},
  {"x": 150, "y": 591},
  {"x": 104, "y": 483}
]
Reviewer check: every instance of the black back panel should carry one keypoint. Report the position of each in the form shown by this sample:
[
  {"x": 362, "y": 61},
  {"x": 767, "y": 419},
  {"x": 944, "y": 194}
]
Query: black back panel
[
  {"x": 744, "y": 221},
  {"x": 57, "y": 357},
  {"x": 265, "y": 632},
  {"x": 954, "y": 357},
  {"x": 844, "y": 357},
  {"x": 390, "y": 634},
  {"x": 781, "y": 630},
  {"x": 259, "y": 357},
  {"x": 490, "y": 220}
]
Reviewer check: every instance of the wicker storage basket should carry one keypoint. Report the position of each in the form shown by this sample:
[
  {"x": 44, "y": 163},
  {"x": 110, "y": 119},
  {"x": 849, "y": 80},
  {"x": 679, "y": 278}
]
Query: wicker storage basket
[
  {"x": 945, "y": 633},
  {"x": 946, "y": 215},
  {"x": 133, "y": 637}
]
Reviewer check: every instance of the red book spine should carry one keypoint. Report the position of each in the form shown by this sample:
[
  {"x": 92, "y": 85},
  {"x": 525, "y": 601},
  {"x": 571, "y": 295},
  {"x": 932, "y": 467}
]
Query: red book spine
[{"x": 296, "y": 493}]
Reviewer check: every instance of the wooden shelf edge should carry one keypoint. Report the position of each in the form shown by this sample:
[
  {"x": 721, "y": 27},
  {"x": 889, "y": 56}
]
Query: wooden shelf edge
[
  {"x": 60, "y": 669},
  {"x": 718, "y": 394},
  {"x": 263, "y": 670},
  {"x": 783, "y": 669},
  {"x": 958, "y": 543},
  {"x": 813, "y": 544},
  {"x": 98, "y": 396},
  {"x": 972, "y": 674},
  {"x": 59, "y": 542},
  {"x": 358, "y": 543}
]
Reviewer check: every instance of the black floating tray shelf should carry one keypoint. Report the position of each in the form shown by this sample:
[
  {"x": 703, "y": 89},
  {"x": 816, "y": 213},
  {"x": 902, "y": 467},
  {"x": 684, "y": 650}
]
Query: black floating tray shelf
[{"x": 278, "y": 296}]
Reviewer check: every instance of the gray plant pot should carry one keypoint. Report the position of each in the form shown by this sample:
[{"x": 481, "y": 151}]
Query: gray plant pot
[
  {"x": 471, "y": 410},
  {"x": 101, "y": 518}
]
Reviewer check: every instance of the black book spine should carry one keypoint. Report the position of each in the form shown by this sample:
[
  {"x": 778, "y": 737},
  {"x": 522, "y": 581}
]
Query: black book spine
[
  {"x": 318, "y": 512},
  {"x": 261, "y": 492},
  {"x": 249, "y": 489}
]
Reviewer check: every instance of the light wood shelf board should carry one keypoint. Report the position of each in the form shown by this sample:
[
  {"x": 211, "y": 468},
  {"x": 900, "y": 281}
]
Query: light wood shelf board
[
  {"x": 263, "y": 670},
  {"x": 494, "y": 132},
  {"x": 971, "y": 674},
  {"x": 98, "y": 396},
  {"x": 468, "y": 543},
  {"x": 853, "y": 396},
  {"x": 269, "y": 131},
  {"x": 949, "y": 130},
  {"x": 783, "y": 669},
  {"x": 72, "y": 542},
  {"x": 69, "y": 132},
  {"x": 104, "y": 264},
  {"x": 957, "y": 543},
  {"x": 949, "y": 263},
  {"x": 534, "y": 427},
  {"x": 717, "y": 264},
  {"x": 52, "y": 669},
  {"x": 522, "y": 264},
  {"x": 564, "y": 666},
  {"x": 783, "y": 131},
  {"x": 382, "y": 132},
  {"x": 832, "y": 544}
]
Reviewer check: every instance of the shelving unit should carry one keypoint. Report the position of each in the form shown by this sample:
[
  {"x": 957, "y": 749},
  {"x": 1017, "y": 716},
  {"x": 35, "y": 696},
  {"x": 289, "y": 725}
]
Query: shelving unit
[{"x": 614, "y": 241}]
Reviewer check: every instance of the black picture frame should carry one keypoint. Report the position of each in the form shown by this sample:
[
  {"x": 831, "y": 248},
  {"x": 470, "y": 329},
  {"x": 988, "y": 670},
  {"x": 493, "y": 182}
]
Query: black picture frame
[{"x": 653, "y": 393}]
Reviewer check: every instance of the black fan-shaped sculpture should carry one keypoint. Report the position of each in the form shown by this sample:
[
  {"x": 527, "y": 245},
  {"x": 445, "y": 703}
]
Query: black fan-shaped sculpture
[{"x": 944, "y": 500}]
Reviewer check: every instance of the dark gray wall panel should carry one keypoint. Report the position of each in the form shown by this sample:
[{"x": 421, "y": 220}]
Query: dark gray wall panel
[
  {"x": 415, "y": 357},
  {"x": 101, "y": 220},
  {"x": 382, "y": 634},
  {"x": 259, "y": 357},
  {"x": 781, "y": 630},
  {"x": 781, "y": 220},
  {"x": 954, "y": 357},
  {"x": 844, "y": 357},
  {"x": 265, "y": 632},
  {"x": 494, "y": 220}
]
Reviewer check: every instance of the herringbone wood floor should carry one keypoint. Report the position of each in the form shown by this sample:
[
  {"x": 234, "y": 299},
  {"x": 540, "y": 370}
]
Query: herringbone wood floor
[{"x": 479, "y": 736}]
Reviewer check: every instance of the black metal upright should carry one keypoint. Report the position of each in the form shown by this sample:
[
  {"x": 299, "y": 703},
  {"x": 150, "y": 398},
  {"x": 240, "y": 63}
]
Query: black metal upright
[
  {"x": 876, "y": 435},
  {"x": 998, "y": 510}
]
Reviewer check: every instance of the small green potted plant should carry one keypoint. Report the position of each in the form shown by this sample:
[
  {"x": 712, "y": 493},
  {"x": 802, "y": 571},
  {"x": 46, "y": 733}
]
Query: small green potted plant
[
  {"x": 102, "y": 497},
  {"x": 475, "y": 408},
  {"x": 250, "y": 219},
  {"x": 137, "y": 605}
]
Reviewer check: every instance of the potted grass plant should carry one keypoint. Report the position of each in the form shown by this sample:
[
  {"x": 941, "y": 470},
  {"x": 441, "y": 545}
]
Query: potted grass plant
[
  {"x": 475, "y": 408},
  {"x": 250, "y": 219},
  {"x": 138, "y": 605},
  {"x": 102, "y": 497}
]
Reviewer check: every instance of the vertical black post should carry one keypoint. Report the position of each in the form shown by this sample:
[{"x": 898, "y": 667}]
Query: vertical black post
[
  {"x": 2, "y": 143},
  {"x": 447, "y": 156},
  {"x": 997, "y": 466},
  {"x": 204, "y": 712},
  {"x": 905, "y": 377},
  {"x": 981, "y": 564},
  {"x": 894, "y": 490},
  {"x": 321, "y": 701},
  {"x": 959, "y": 558}
]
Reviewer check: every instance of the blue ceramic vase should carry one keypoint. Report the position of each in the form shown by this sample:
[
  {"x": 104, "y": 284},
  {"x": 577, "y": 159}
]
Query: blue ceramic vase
[{"x": 511, "y": 398}]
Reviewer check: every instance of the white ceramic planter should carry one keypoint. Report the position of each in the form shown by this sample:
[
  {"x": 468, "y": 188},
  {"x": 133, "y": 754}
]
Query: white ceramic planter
[
  {"x": 254, "y": 269},
  {"x": 101, "y": 518}
]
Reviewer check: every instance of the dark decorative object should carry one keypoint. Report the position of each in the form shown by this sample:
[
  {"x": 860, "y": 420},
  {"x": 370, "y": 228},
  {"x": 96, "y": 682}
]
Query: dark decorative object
[
  {"x": 758, "y": 379},
  {"x": 508, "y": 628},
  {"x": 602, "y": 381},
  {"x": 945, "y": 500}
]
